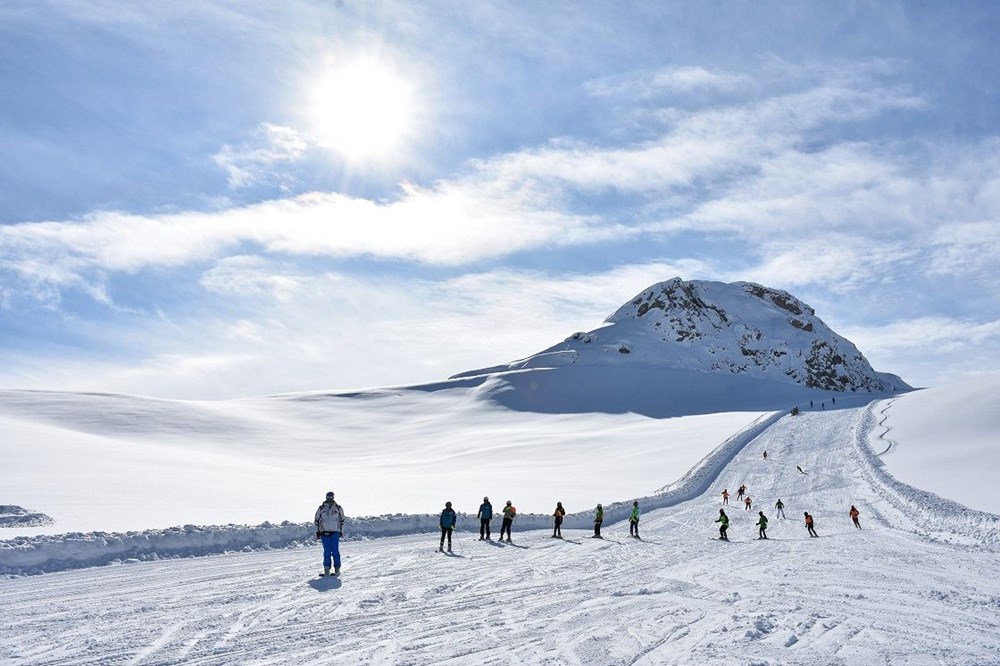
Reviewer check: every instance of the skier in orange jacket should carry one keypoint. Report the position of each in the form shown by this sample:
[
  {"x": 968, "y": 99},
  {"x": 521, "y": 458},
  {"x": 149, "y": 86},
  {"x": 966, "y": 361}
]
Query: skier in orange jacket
[
  {"x": 854, "y": 513},
  {"x": 809, "y": 525}
]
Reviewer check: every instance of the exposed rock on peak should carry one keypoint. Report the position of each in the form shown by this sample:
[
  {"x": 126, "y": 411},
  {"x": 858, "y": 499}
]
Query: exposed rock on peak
[{"x": 740, "y": 328}]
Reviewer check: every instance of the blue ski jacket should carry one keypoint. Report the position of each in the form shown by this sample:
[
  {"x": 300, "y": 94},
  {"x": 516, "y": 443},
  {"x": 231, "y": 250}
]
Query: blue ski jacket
[{"x": 448, "y": 518}]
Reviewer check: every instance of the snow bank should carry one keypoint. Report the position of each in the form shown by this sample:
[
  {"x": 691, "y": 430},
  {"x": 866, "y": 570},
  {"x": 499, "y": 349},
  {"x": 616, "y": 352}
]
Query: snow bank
[
  {"x": 928, "y": 514},
  {"x": 47, "y": 553}
]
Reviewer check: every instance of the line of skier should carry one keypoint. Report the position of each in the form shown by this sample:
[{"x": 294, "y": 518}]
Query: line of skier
[
  {"x": 329, "y": 521},
  {"x": 509, "y": 512},
  {"x": 762, "y": 520}
]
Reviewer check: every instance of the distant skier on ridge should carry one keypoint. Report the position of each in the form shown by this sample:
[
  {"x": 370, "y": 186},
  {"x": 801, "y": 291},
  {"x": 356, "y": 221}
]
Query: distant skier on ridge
[
  {"x": 598, "y": 519},
  {"x": 779, "y": 506}
]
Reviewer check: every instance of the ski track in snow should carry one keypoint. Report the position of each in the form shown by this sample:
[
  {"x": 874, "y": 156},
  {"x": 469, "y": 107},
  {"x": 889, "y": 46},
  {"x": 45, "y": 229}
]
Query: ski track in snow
[{"x": 920, "y": 584}]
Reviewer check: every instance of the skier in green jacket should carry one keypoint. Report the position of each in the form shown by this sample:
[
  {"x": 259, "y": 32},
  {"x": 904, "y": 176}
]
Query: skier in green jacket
[
  {"x": 762, "y": 523},
  {"x": 598, "y": 519},
  {"x": 724, "y": 520},
  {"x": 633, "y": 520}
]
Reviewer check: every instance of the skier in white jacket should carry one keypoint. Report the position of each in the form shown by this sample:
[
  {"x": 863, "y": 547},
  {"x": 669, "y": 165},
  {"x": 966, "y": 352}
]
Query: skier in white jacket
[{"x": 329, "y": 526}]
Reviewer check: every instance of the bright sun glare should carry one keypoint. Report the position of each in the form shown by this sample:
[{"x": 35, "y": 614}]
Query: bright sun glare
[{"x": 362, "y": 110}]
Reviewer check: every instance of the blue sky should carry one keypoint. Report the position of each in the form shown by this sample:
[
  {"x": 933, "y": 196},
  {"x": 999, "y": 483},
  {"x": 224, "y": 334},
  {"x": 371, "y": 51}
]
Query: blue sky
[{"x": 213, "y": 199}]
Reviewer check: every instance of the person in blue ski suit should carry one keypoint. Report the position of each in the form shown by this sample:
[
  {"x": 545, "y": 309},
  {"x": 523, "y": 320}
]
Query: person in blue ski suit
[
  {"x": 448, "y": 520},
  {"x": 329, "y": 527},
  {"x": 485, "y": 516}
]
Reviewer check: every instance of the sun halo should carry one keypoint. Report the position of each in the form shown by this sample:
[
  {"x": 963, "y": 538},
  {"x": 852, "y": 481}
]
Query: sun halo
[{"x": 362, "y": 110}]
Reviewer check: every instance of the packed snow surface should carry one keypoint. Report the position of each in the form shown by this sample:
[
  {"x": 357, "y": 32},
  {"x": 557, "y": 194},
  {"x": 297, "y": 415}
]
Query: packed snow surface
[
  {"x": 945, "y": 440},
  {"x": 918, "y": 584},
  {"x": 118, "y": 463}
]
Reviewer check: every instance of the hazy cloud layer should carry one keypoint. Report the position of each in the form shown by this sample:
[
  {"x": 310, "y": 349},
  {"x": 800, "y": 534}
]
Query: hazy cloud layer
[{"x": 214, "y": 247}]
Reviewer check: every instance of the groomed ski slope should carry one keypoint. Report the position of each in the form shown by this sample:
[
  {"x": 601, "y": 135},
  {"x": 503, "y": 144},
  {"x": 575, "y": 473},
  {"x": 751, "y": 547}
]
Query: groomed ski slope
[{"x": 920, "y": 584}]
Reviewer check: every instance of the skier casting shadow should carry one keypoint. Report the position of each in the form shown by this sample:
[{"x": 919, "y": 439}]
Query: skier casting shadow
[
  {"x": 448, "y": 521},
  {"x": 557, "y": 519},
  {"x": 723, "y": 521},
  {"x": 325, "y": 583}
]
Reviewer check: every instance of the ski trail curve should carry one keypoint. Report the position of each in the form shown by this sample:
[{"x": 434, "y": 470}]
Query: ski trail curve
[{"x": 885, "y": 594}]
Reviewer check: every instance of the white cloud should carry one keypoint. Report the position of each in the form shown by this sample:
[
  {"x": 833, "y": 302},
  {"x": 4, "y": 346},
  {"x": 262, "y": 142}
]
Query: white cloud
[
  {"x": 669, "y": 80},
  {"x": 258, "y": 160},
  {"x": 340, "y": 332},
  {"x": 839, "y": 262},
  {"x": 968, "y": 248},
  {"x": 248, "y": 276},
  {"x": 938, "y": 333},
  {"x": 749, "y": 156},
  {"x": 931, "y": 350}
]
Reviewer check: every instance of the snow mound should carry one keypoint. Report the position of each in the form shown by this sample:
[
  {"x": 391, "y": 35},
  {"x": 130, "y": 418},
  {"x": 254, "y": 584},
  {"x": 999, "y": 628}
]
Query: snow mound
[
  {"x": 14, "y": 516},
  {"x": 47, "y": 553}
]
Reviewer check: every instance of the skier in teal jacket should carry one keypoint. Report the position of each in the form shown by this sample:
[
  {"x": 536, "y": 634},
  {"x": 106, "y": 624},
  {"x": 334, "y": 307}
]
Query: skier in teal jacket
[{"x": 448, "y": 521}]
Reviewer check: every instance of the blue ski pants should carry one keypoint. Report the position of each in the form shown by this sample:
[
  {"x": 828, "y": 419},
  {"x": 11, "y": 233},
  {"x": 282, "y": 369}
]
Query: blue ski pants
[{"x": 331, "y": 548}]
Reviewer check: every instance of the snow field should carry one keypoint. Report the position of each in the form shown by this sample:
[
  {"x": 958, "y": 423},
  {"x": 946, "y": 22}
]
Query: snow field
[
  {"x": 119, "y": 464},
  {"x": 883, "y": 594},
  {"x": 46, "y": 553}
]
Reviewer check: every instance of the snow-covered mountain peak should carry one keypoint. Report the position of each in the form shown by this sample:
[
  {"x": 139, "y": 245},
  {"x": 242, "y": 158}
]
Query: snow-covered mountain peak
[
  {"x": 740, "y": 328},
  {"x": 712, "y": 302}
]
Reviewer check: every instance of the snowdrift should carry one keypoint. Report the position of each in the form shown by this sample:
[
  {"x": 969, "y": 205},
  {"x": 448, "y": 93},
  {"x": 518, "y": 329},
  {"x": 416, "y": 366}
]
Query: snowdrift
[{"x": 41, "y": 554}]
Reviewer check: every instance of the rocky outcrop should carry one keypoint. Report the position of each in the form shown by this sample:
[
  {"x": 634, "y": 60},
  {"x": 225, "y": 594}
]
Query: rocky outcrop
[{"x": 740, "y": 328}]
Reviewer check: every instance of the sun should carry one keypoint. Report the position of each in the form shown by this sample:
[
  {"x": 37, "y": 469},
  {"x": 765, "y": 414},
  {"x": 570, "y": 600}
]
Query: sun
[{"x": 362, "y": 110}]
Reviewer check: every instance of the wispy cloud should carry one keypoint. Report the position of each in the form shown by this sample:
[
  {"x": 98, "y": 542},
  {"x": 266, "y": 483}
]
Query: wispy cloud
[
  {"x": 933, "y": 349},
  {"x": 670, "y": 80},
  {"x": 749, "y": 154},
  {"x": 971, "y": 248},
  {"x": 338, "y": 331},
  {"x": 260, "y": 159}
]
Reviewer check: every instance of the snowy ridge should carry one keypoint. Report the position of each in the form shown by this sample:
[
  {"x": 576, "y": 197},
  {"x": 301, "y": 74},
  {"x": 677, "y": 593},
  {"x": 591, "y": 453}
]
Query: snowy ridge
[
  {"x": 47, "y": 553},
  {"x": 741, "y": 329},
  {"x": 929, "y": 515}
]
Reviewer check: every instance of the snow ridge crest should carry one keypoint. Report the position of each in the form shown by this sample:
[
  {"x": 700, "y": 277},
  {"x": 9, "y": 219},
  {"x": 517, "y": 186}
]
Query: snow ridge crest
[{"x": 739, "y": 328}]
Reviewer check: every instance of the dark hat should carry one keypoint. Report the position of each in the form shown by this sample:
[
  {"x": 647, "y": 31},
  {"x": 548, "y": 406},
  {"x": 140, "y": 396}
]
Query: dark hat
[
  {"x": 447, "y": 504},
  {"x": 329, "y": 495}
]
